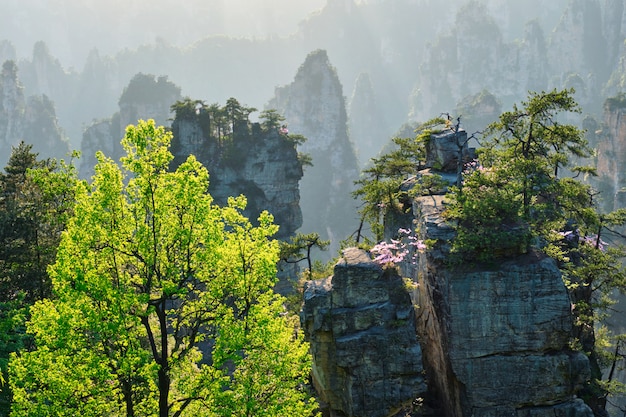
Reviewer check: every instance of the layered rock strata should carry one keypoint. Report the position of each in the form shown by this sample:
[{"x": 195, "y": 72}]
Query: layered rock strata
[
  {"x": 495, "y": 339},
  {"x": 361, "y": 324}
]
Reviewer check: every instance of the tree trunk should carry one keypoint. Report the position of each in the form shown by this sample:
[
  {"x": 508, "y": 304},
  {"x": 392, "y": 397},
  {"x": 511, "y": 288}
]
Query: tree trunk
[
  {"x": 164, "y": 391},
  {"x": 127, "y": 392},
  {"x": 164, "y": 371}
]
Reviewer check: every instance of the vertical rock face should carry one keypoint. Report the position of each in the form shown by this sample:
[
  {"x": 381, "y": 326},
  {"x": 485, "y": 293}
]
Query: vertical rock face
[
  {"x": 494, "y": 339},
  {"x": 261, "y": 164},
  {"x": 31, "y": 119},
  {"x": 366, "y": 126},
  {"x": 13, "y": 106},
  {"x": 614, "y": 27},
  {"x": 105, "y": 136},
  {"x": 145, "y": 97},
  {"x": 474, "y": 55},
  {"x": 612, "y": 153},
  {"x": 314, "y": 106},
  {"x": 611, "y": 157},
  {"x": 577, "y": 42},
  {"x": 360, "y": 322}
]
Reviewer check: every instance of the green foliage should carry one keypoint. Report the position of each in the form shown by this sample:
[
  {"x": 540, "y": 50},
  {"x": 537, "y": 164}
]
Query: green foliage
[
  {"x": 380, "y": 187},
  {"x": 271, "y": 119},
  {"x": 36, "y": 200},
  {"x": 299, "y": 249},
  {"x": 13, "y": 338},
  {"x": 187, "y": 108},
  {"x": 261, "y": 385},
  {"x": 486, "y": 218},
  {"x": 305, "y": 159},
  {"x": 429, "y": 184},
  {"x": 518, "y": 200},
  {"x": 518, "y": 182},
  {"x": 148, "y": 270}
]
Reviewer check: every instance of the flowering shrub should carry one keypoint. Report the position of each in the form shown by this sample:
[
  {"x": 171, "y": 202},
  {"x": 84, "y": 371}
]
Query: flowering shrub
[{"x": 396, "y": 251}]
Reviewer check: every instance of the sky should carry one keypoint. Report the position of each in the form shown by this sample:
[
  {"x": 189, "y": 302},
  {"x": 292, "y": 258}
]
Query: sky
[{"x": 71, "y": 28}]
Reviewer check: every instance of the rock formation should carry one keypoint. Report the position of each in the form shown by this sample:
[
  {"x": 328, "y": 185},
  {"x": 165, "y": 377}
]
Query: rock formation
[
  {"x": 314, "y": 106},
  {"x": 494, "y": 338},
  {"x": 474, "y": 55},
  {"x": 366, "y": 120},
  {"x": 611, "y": 149},
  {"x": 261, "y": 164},
  {"x": 145, "y": 97},
  {"x": 360, "y": 322},
  {"x": 31, "y": 119},
  {"x": 610, "y": 142}
]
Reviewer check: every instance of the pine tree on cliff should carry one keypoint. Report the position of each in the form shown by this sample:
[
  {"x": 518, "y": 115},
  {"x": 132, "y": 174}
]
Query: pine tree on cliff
[{"x": 523, "y": 195}]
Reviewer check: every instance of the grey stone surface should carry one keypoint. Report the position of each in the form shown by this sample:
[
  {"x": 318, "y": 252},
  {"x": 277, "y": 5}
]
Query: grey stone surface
[
  {"x": 494, "y": 337},
  {"x": 314, "y": 106},
  {"x": 445, "y": 148},
  {"x": 366, "y": 357}
]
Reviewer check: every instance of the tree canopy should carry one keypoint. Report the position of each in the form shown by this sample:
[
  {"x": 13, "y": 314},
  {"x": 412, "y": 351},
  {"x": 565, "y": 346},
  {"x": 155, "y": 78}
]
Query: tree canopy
[{"x": 162, "y": 302}]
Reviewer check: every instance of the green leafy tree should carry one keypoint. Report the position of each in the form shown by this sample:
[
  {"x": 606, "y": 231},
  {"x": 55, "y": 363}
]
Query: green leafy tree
[
  {"x": 36, "y": 200},
  {"x": 380, "y": 188},
  {"x": 524, "y": 197},
  {"x": 591, "y": 255},
  {"x": 271, "y": 119},
  {"x": 163, "y": 302}
]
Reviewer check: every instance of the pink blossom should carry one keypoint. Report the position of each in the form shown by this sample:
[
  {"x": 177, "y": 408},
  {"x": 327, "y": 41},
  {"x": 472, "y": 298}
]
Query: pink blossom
[{"x": 396, "y": 250}]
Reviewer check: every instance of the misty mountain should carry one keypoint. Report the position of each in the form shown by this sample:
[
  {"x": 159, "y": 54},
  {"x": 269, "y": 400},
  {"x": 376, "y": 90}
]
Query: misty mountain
[
  {"x": 390, "y": 41},
  {"x": 400, "y": 62}
]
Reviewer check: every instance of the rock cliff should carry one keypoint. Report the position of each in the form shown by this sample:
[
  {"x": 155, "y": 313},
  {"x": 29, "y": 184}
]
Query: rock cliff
[
  {"x": 610, "y": 138},
  {"x": 145, "y": 97},
  {"x": 314, "y": 106},
  {"x": 494, "y": 338},
  {"x": 366, "y": 121},
  {"x": 360, "y": 322},
  {"x": 261, "y": 164},
  {"x": 611, "y": 153},
  {"x": 474, "y": 55},
  {"x": 31, "y": 119}
]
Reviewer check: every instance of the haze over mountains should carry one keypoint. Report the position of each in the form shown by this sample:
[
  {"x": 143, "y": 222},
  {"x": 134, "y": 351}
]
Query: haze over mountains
[
  {"x": 72, "y": 28},
  {"x": 396, "y": 62},
  {"x": 219, "y": 49}
]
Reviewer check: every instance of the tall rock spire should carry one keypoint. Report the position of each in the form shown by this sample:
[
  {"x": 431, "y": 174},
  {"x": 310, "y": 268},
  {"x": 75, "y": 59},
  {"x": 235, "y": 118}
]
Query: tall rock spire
[{"x": 314, "y": 106}]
